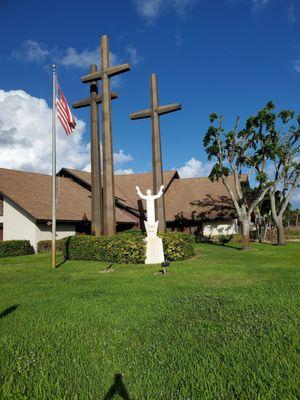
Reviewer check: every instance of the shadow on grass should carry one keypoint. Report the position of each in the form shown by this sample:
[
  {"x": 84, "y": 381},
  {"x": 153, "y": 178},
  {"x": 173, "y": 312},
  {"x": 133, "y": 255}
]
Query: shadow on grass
[
  {"x": 224, "y": 245},
  {"x": 61, "y": 263},
  {"x": 8, "y": 311},
  {"x": 65, "y": 253},
  {"x": 117, "y": 388}
]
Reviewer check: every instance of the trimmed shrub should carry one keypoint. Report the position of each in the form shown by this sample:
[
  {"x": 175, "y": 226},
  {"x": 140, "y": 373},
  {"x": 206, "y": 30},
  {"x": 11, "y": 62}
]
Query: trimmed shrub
[
  {"x": 178, "y": 245},
  {"x": 124, "y": 248},
  {"x": 11, "y": 248},
  {"x": 45, "y": 246}
]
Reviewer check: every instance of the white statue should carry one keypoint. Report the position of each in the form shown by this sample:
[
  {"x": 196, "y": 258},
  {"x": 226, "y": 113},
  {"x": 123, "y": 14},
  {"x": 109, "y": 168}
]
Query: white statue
[
  {"x": 150, "y": 199},
  {"x": 155, "y": 254}
]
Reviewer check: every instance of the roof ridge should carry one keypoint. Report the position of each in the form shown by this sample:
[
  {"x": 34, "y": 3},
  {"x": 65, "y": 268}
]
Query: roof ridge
[
  {"x": 24, "y": 172},
  {"x": 137, "y": 173}
]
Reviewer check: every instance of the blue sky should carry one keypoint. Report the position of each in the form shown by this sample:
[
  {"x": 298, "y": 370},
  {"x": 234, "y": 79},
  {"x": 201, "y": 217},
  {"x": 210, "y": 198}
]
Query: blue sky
[{"x": 227, "y": 56}]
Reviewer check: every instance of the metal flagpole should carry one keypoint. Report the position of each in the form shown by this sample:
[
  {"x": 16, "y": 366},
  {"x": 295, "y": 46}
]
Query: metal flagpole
[{"x": 53, "y": 166}]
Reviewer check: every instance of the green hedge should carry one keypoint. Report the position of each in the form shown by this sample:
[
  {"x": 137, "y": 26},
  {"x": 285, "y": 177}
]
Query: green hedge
[
  {"x": 124, "y": 248},
  {"x": 177, "y": 245},
  {"x": 10, "y": 248},
  {"x": 45, "y": 246}
]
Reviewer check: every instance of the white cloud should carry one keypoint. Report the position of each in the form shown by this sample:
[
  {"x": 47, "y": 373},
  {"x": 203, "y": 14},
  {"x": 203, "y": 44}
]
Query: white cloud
[
  {"x": 151, "y": 9},
  {"x": 295, "y": 200},
  {"x": 292, "y": 14},
  {"x": 35, "y": 52},
  {"x": 296, "y": 66},
  {"x": 124, "y": 171},
  {"x": 194, "y": 168},
  {"x": 259, "y": 5},
  {"x": 120, "y": 157},
  {"x": 135, "y": 58},
  {"x": 25, "y": 137},
  {"x": 72, "y": 58},
  {"x": 32, "y": 51}
]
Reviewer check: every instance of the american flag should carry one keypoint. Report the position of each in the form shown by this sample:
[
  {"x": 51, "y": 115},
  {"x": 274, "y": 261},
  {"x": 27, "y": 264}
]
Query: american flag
[{"x": 63, "y": 111}]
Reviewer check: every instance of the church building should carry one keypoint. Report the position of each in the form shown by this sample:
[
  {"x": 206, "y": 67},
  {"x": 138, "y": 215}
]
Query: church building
[{"x": 194, "y": 205}]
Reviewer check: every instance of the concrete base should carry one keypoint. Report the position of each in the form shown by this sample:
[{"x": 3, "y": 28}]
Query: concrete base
[{"x": 154, "y": 251}]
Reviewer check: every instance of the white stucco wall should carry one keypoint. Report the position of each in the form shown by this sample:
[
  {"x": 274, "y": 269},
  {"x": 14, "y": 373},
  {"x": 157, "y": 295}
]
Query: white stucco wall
[
  {"x": 217, "y": 228},
  {"x": 18, "y": 225},
  {"x": 43, "y": 231}
]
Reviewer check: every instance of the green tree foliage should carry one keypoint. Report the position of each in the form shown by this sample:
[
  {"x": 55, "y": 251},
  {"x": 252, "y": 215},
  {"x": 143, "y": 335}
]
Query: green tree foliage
[
  {"x": 268, "y": 147},
  {"x": 285, "y": 164},
  {"x": 237, "y": 152}
]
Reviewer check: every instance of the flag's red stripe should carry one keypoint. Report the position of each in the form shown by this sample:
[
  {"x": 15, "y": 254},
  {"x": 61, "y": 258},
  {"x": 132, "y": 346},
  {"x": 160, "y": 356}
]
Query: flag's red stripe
[
  {"x": 61, "y": 111},
  {"x": 64, "y": 113},
  {"x": 62, "y": 117},
  {"x": 65, "y": 126}
]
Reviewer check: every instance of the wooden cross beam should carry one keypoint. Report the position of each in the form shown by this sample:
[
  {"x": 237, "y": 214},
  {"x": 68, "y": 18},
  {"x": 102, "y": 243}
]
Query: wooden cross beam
[
  {"x": 104, "y": 75},
  {"x": 154, "y": 112},
  {"x": 96, "y": 181}
]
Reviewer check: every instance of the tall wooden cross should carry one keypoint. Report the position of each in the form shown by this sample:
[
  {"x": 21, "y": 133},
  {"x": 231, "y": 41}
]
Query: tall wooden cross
[
  {"x": 154, "y": 112},
  {"x": 96, "y": 181},
  {"x": 106, "y": 72}
]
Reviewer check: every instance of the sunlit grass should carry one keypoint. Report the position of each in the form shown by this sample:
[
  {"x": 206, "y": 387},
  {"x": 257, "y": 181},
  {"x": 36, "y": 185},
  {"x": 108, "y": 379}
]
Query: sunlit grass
[{"x": 225, "y": 325}]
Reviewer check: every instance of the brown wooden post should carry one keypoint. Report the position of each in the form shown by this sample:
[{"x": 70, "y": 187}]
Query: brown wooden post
[
  {"x": 109, "y": 223},
  {"x": 108, "y": 160},
  {"x": 157, "y": 170},
  {"x": 96, "y": 179}
]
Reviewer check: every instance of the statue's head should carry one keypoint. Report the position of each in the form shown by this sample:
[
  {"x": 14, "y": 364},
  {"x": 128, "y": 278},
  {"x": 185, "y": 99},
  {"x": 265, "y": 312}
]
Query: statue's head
[{"x": 149, "y": 192}]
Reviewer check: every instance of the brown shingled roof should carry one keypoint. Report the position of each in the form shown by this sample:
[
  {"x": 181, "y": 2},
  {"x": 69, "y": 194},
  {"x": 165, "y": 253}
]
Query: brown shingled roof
[
  {"x": 185, "y": 199},
  {"x": 199, "y": 199},
  {"x": 125, "y": 184},
  {"x": 32, "y": 192}
]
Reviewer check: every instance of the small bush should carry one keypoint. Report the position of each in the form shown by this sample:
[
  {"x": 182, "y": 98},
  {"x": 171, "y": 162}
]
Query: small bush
[
  {"x": 124, "y": 248},
  {"x": 237, "y": 238},
  {"x": 224, "y": 239},
  {"x": 45, "y": 246},
  {"x": 178, "y": 245},
  {"x": 292, "y": 233},
  {"x": 11, "y": 248}
]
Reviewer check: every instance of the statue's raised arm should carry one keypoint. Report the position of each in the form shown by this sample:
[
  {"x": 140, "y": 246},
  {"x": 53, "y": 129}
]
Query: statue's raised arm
[
  {"x": 159, "y": 194},
  {"x": 140, "y": 194}
]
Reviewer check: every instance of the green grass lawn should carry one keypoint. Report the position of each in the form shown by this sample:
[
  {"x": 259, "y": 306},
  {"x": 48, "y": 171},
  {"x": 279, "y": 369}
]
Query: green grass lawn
[{"x": 225, "y": 325}]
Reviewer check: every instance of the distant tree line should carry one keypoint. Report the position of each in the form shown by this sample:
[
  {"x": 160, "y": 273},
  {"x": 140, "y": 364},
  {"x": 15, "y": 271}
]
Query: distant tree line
[{"x": 267, "y": 148}]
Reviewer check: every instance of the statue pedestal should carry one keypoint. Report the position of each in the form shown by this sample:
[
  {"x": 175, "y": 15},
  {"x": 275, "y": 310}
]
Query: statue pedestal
[{"x": 154, "y": 250}]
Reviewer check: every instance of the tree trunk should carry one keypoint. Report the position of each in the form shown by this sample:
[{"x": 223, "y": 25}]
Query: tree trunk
[
  {"x": 278, "y": 221},
  {"x": 280, "y": 232},
  {"x": 264, "y": 231},
  {"x": 246, "y": 234}
]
